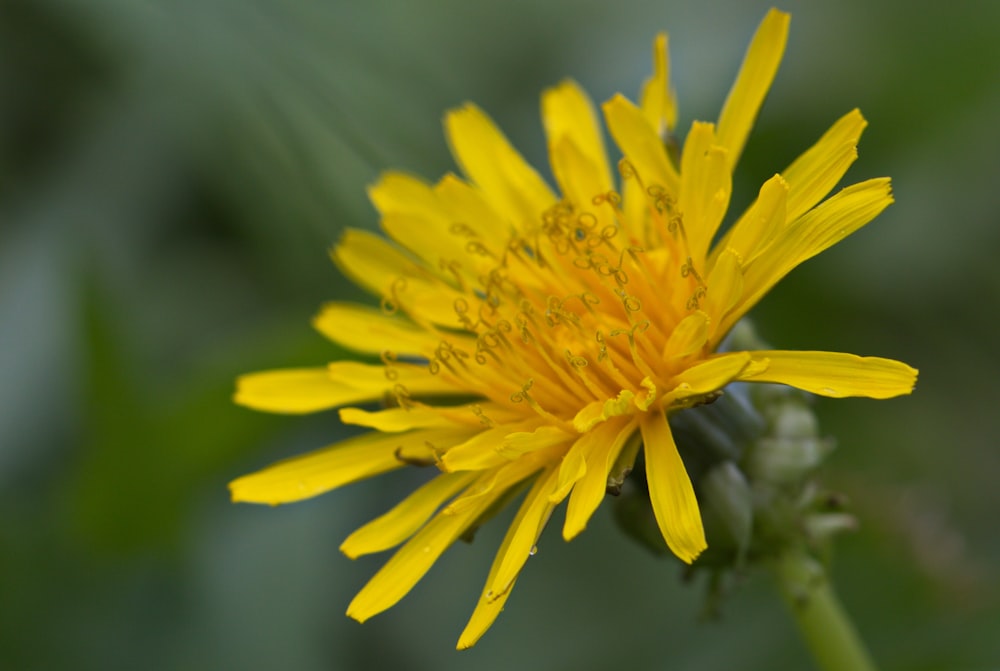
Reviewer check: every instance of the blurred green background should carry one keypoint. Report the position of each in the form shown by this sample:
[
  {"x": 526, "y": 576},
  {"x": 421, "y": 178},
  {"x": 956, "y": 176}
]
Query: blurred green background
[{"x": 171, "y": 176}]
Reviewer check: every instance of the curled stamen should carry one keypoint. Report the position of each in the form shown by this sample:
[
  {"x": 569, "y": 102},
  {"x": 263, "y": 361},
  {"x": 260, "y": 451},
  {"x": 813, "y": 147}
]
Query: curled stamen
[
  {"x": 602, "y": 347},
  {"x": 463, "y": 230},
  {"x": 402, "y": 396},
  {"x": 689, "y": 269},
  {"x": 522, "y": 396},
  {"x": 390, "y": 304},
  {"x": 454, "y": 267},
  {"x": 423, "y": 462},
  {"x": 695, "y": 301},
  {"x": 388, "y": 359},
  {"x": 479, "y": 249},
  {"x": 628, "y": 171},
  {"x": 661, "y": 199},
  {"x": 447, "y": 352},
  {"x": 461, "y": 308},
  {"x": 630, "y": 303},
  {"x": 604, "y": 238},
  {"x": 575, "y": 360},
  {"x": 477, "y": 410},
  {"x": 612, "y": 198},
  {"x": 555, "y": 314}
]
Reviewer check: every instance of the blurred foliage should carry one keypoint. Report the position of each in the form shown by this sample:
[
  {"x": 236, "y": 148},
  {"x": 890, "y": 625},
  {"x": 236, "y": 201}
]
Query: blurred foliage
[{"x": 171, "y": 175}]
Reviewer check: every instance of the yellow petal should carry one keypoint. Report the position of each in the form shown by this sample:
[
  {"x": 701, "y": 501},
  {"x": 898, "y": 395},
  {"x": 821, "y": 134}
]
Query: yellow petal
[
  {"x": 418, "y": 416},
  {"x": 572, "y": 467},
  {"x": 706, "y": 184},
  {"x": 836, "y": 374},
  {"x": 709, "y": 375},
  {"x": 520, "y": 443},
  {"x": 813, "y": 174},
  {"x": 512, "y": 186},
  {"x": 641, "y": 145},
  {"x": 581, "y": 180},
  {"x": 670, "y": 492},
  {"x": 603, "y": 445},
  {"x": 365, "y": 329},
  {"x": 396, "y": 192},
  {"x": 765, "y": 218},
  {"x": 483, "y": 450},
  {"x": 569, "y": 114},
  {"x": 373, "y": 263},
  {"x": 305, "y": 390},
  {"x": 688, "y": 336},
  {"x": 349, "y": 461},
  {"x": 423, "y": 220},
  {"x": 394, "y": 420},
  {"x": 596, "y": 412},
  {"x": 376, "y": 380},
  {"x": 822, "y": 227},
  {"x": 486, "y": 231},
  {"x": 513, "y": 553},
  {"x": 538, "y": 507},
  {"x": 414, "y": 559},
  {"x": 658, "y": 101},
  {"x": 395, "y": 526},
  {"x": 503, "y": 478},
  {"x": 293, "y": 390},
  {"x": 756, "y": 74},
  {"x": 725, "y": 289}
]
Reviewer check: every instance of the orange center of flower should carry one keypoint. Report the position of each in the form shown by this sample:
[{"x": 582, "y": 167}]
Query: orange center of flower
[{"x": 575, "y": 310}]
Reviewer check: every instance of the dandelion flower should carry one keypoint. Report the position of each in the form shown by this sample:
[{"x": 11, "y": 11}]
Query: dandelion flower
[{"x": 572, "y": 323}]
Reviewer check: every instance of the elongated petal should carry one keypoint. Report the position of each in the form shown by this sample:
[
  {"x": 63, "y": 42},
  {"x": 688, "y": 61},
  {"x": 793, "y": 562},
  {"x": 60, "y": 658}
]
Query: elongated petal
[
  {"x": 395, "y": 526},
  {"x": 581, "y": 181},
  {"x": 293, "y": 391},
  {"x": 568, "y": 113},
  {"x": 709, "y": 375},
  {"x": 835, "y": 374},
  {"x": 419, "y": 416},
  {"x": 814, "y": 174},
  {"x": 604, "y": 444},
  {"x": 365, "y": 329},
  {"x": 398, "y": 576},
  {"x": 513, "y": 553},
  {"x": 317, "y": 472},
  {"x": 658, "y": 101},
  {"x": 725, "y": 289},
  {"x": 473, "y": 217},
  {"x": 305, "y": 390},
  {"x": 641, "y": 145},
  {"x": 756, "y": 74},
  {"x": 821, "y": 228},
  {"x": 765, "y": 218},
  {"x": 537, "y": 509},
  {"x": 706, "y": 184},
  {"x": 483, "y": 450},
  {"x": 670, "y": 492},
  {"x": 397, "y": 191},
  {"x": 375, "y": 264},
  {"x": 689, "y": 336},
  {"x": 511, "y": 185}
]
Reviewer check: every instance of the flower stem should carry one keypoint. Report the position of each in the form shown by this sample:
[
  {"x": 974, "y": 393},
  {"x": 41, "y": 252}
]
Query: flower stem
[{"x": 822, "y": 621}]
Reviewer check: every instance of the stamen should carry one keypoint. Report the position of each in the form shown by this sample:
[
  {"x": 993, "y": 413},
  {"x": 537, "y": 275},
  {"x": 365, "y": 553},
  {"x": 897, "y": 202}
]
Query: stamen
[
  {"x": 454, "y": 267},
  {"x": 388, "y": 360},
  {"x": 524, "y": 397},
  {"x": 391, "y": 304}
]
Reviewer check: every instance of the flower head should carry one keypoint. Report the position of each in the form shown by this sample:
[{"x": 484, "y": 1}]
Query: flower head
[{"x": 572, "y": 322}]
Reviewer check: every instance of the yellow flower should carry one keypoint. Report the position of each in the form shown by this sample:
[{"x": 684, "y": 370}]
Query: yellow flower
[{"x": 576, "y": 322}]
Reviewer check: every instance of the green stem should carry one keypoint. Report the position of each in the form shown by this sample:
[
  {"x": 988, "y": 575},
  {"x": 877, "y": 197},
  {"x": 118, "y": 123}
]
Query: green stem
[{"x": 822, "y": 621}]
